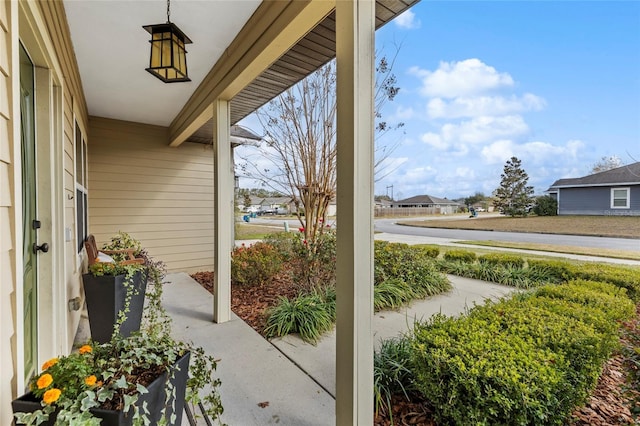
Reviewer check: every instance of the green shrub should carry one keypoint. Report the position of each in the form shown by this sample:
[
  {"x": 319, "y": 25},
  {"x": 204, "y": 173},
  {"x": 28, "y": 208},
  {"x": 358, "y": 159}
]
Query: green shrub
[
  {"x": 310, "y": 315},
  {"x": 391, "y": 294},
  {"x": 459, "y": 255},
  {"x": 502, "y": 259},
  {"x": 627, "y": 277},
  {"x": 555, "y": 271},
  {"x": 429, "y": 250},
  {"x": 285, "y": 243},
  {"x": 314, "y": 263},
  {"x": 473, "y": 373},
  {"x": 615, "y": 307},
  {"x": 415, "y": 266},
  {"x": 424, "y": 278},
  {"x": 391, "y": 373},
  {"x": 594, "y": 317},
  {"x": 328, "y": 296},
  {"x": 584, "y": 348},
  {"x": 515, "y": 277},
  {"x": 460, "y": 269},
  {"x": 254, "y": 264},
  {"x": 527, "y": 360},
  {"x": 388, "y": 258},
  {"x": 546, "y": 206}
]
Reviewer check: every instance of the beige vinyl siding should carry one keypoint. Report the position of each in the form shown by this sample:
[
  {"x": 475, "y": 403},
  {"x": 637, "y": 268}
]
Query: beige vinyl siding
[
  {"x": 7, "y": 212},
  {"x": 162, "y": 196}
]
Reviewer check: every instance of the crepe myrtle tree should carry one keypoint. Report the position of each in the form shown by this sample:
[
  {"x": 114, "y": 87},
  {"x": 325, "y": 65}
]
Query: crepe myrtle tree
[
  {"x": 298, "y": 157},
  {"x": 606, "y": 163},
  {"x": 514, "y": 196}
]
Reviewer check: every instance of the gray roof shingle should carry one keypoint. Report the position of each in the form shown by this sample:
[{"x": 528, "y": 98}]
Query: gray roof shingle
[
  {"x": 629, "y": 174},
  {"x": 425, "y": 199}
]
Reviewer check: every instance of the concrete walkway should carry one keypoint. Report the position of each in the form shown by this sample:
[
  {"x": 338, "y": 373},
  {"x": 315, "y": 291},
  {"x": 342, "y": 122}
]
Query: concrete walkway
[
  {"x": 319, "y": 361},
  {"x": 260, "y": 386},
  {"x": 293, "y": 380}
]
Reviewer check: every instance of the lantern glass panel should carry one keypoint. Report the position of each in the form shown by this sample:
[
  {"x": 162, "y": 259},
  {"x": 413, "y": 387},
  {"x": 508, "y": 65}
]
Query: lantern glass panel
[
  {"x": 155, "y": 55},
  {"x": 166, "y": 53}
]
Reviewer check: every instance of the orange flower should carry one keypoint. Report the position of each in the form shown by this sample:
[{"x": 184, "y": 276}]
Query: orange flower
[
  {"x": 51, "y": 396},
  {"x": 44, "y": 381},
  {"x": 91, "y": 380},
  {"x": 49, "y": 364},
  {"x": 86, "y": 349}
]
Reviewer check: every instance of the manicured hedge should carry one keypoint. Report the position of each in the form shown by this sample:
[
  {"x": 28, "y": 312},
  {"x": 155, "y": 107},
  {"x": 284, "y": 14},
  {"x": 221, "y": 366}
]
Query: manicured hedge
[
  {"x": 528, "y": 360},
  {"x": 502, "y": 259},
  {"x": 622, "y": 276},
  {"x": 430, "y": 250},
  {"x": 460, "y": 255},
  {"x": 510, "y": 270},
  {"x": 403, "y": 273}
]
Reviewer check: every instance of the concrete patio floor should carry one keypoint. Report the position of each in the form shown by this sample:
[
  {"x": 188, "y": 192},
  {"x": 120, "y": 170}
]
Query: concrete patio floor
[{"x": 296, "y": 379}]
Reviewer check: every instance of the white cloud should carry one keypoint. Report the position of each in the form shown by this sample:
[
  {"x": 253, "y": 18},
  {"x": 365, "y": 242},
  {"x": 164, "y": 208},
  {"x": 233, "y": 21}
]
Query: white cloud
[
  {"x": 535, "y": 153},
  {"x": 463, "y": 78},
  {"x": 407, "y": 20},
  {"x": 434, "y": 140},
  {"x": 484, "y": 129},
  {"x": 403, "y": 114},
  {"x": 498, "y": 152},
  {"x": 419, "y": 174},
  {"x": 483, "y": 105},
  {"x": 465, "y": 172}
]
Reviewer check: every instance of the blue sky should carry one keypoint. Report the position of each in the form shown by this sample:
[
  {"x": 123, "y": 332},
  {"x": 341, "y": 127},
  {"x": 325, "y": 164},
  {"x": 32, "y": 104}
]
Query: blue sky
[{"x": 554, "y": 83}]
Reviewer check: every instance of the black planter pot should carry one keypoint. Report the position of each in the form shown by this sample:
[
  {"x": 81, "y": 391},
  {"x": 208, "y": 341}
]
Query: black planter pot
[
  {"x": 106, "y": 296},
  {"x": 155, "y": 400}
]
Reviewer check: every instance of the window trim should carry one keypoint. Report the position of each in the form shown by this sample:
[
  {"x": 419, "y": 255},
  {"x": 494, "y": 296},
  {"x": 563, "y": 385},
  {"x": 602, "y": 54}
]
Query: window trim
[
  {"x": 80, "y": 182},
  {"x": 628, "y": 197}
]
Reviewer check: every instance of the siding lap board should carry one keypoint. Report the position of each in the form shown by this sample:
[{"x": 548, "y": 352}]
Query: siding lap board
[{"x": 162, "y": 196}]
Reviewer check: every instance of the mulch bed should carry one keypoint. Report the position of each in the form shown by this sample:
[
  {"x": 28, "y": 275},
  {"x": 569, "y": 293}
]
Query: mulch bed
[
  {"x": 251, "y": 303},
  {"x": 608, "y": 405}
]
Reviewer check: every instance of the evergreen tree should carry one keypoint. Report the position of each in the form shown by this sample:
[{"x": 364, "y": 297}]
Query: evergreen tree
[{"x": 514, "y": 196}]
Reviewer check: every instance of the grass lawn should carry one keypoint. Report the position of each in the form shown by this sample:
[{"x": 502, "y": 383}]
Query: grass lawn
[
  {"x": 247, "y": 231},
  {"x": 600, "y": 226},
  {"x": 586, "y": 251}
]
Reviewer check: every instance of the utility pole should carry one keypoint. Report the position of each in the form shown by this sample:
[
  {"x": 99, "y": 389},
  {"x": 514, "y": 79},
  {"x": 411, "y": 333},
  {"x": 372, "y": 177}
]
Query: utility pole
[{"x": 390, "y": 186}]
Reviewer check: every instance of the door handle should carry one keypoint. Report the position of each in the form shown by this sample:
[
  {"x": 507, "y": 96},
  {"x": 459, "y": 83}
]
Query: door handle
[{"x": 44, "y": 247}]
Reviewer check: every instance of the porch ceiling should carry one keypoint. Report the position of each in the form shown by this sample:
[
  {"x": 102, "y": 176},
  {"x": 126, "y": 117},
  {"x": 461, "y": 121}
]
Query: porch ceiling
[{"x": 112, "y": 53}]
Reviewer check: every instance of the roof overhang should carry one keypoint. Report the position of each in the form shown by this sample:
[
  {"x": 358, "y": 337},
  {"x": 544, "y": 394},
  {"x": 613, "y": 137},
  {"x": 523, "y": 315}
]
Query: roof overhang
[
  {"x": 591, "y": 185},
  {"x": 246, "y": 52}
]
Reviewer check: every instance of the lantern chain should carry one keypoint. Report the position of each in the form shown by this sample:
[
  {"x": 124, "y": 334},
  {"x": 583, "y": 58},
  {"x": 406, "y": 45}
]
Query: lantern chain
[{"x": 168, "y": 10}]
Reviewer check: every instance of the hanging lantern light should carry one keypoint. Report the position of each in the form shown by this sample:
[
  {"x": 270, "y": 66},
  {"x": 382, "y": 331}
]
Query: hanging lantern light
[{"x": 168, "y": 55}]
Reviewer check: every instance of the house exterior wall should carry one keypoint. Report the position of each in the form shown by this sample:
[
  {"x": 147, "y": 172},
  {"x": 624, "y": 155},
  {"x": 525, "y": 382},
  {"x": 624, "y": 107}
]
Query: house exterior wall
[
  {"x": 8, "y": 283},
  {"x": 596, "y": 201},
  {"x": 42, "y": 29},
  {"x": 161, "y": 195}
]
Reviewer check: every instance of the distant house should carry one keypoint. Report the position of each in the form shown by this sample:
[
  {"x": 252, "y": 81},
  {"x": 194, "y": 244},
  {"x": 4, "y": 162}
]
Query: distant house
[
  {"x": 383, "y": 204},
  {"x": 613, "y": 192},
  {"x": 442, "y": 205},
  {"x": 269, "y": 205}
]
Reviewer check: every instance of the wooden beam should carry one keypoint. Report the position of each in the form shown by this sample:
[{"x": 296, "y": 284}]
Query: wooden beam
[{"x": 271, "y": 31}]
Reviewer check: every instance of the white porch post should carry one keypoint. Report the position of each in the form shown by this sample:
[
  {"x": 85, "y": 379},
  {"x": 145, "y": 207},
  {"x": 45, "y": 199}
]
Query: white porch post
[
  {"x": 223, "y": 211},
  {"x": 355, "y": 32}
]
